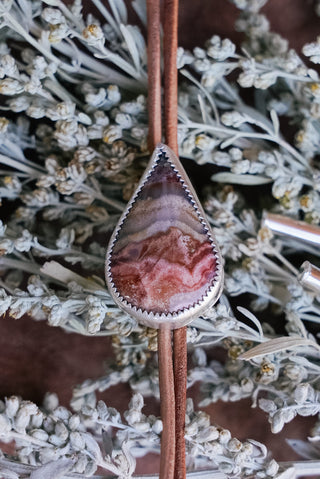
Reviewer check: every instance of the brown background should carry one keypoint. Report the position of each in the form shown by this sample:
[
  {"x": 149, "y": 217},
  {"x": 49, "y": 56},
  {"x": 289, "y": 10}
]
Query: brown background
[{"x": 35, "y": 358}]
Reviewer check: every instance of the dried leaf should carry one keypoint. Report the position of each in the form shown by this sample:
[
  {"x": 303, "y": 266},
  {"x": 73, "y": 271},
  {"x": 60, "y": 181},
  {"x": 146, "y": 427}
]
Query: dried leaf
[
  {"x": 52, "y": 470},
  {"x": 304, "y": 448},
  {"x": 7, "y": 474},
  {"x": 233, "y": 178},
  {"x": 92, "y": 447},
  {"x": 140, "y": 7},
  {"x": 276, "y": 345},
  {"x": 131, "y": 44},
  {"x": 275, "y": 122},
  {"x": 107, "y": 442},
  {"x": 119, "y": 10},
  {"x": 252, "y": 318},
  {"x": 58, "y": 272},
  {"x": 287, "y": 474}
]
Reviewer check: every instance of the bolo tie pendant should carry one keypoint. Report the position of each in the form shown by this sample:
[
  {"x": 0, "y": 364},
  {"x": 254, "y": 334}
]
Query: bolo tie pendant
[{"x": 163, "y": 265}]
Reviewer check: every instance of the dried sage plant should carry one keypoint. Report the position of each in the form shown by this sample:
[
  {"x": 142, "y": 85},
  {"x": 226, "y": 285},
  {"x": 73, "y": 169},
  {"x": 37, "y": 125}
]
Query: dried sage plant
[{"x": 73, "y": 144}]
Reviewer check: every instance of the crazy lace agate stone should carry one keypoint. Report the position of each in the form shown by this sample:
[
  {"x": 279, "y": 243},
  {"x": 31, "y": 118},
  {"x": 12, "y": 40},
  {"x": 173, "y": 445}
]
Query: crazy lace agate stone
[{"x": 162, "y": 259}]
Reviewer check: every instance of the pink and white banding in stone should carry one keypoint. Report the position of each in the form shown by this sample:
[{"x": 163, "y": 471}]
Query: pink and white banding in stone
[{"x": 163, "y": 259}]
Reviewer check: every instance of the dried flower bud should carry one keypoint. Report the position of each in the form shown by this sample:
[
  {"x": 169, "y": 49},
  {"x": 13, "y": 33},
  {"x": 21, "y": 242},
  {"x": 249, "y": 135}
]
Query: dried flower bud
[
  {"x": 247, "y": 448},
  {"x": 234, "y": 445},
  {"x": 111, "y": 134},
  {"x": 220, "y": 50},
  {"x": 192, "y": 428},
  {"x": 224, "y": 436},
  {"x": 4, "y": 123},
  {"x": 295, "y": 372},
  {"x": 74, "y": 422},
  {"x": 61, "y": 111},
  {"x": 58, "y": 32},
  {"x": 272, "y": 468},
  {"x": 48, "y": 424},
  {"x": 62, "y": 413},
  {"x": 10, "y": 86},
  {"x": 52, "y": 15},
  {"x": 61, "y": 431},
  {"x": 157, "y": 427},
  {"x": 48, "y": 454},
  {"x": 77, "y": 441},
  {"x": 247, "y": 385},
  {"x": 142, "y": 427},
  {"x": 302, "y": 393},
  {"x": 5, "y": 425},
  {"x": 19, "y": 103},
  {"x": 37, "y": 419},
  {"x": 35, "y": 111},
  {"x": 6, "y": 246},
  {"x": 247, "y": 79},
  {"x": 233, "y": 118},
  {"x": 12, "y": 406},
  {"x": 93, "y": 34},
  {"x": 23, "y": 416},
  {"x": 277, "y": 422},
  {"x": 81, "y": 463},
  {"x": 312, "y": 50},
  {"x": 39, "y": 434},
  {"x": 25, "y": 242},
  {"x": 56, "y": 440},
  {"x": 56, "y": 315},
  {"x": 124, "y": 120},
  {"x": 210, "y": 433},
  {"x": 96, "y": 316}
]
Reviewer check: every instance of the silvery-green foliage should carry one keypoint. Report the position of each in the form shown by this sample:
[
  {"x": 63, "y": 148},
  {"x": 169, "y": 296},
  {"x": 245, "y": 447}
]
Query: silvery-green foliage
[
  {"x": 55, "y": 441},
  {"x": 73, "y": 145}
]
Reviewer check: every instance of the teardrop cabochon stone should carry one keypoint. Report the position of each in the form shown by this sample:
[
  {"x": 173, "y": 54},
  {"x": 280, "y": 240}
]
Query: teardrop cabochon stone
[{"x": 163, "y": 266}]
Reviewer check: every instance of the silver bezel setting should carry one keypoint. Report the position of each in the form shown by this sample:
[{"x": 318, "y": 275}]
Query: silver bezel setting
[{"x": 185, "y": 316}]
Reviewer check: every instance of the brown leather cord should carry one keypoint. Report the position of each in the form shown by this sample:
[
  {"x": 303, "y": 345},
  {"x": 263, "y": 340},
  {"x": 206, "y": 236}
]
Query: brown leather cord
[
  {"x": 154, "y": 73},
  {"x": 167, "y": 404},
  {"x": 172, "y": 380},
  {"x": 165, "y": 360},
  {"x": 170, "y": 46},
  {"x": 170, "y": 42},
  {"x": 180, "y": 386}
]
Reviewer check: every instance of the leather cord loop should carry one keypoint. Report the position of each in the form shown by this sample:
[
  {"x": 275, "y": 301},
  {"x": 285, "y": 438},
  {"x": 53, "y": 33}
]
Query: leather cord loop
[{"x": 172, "y": 377}]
